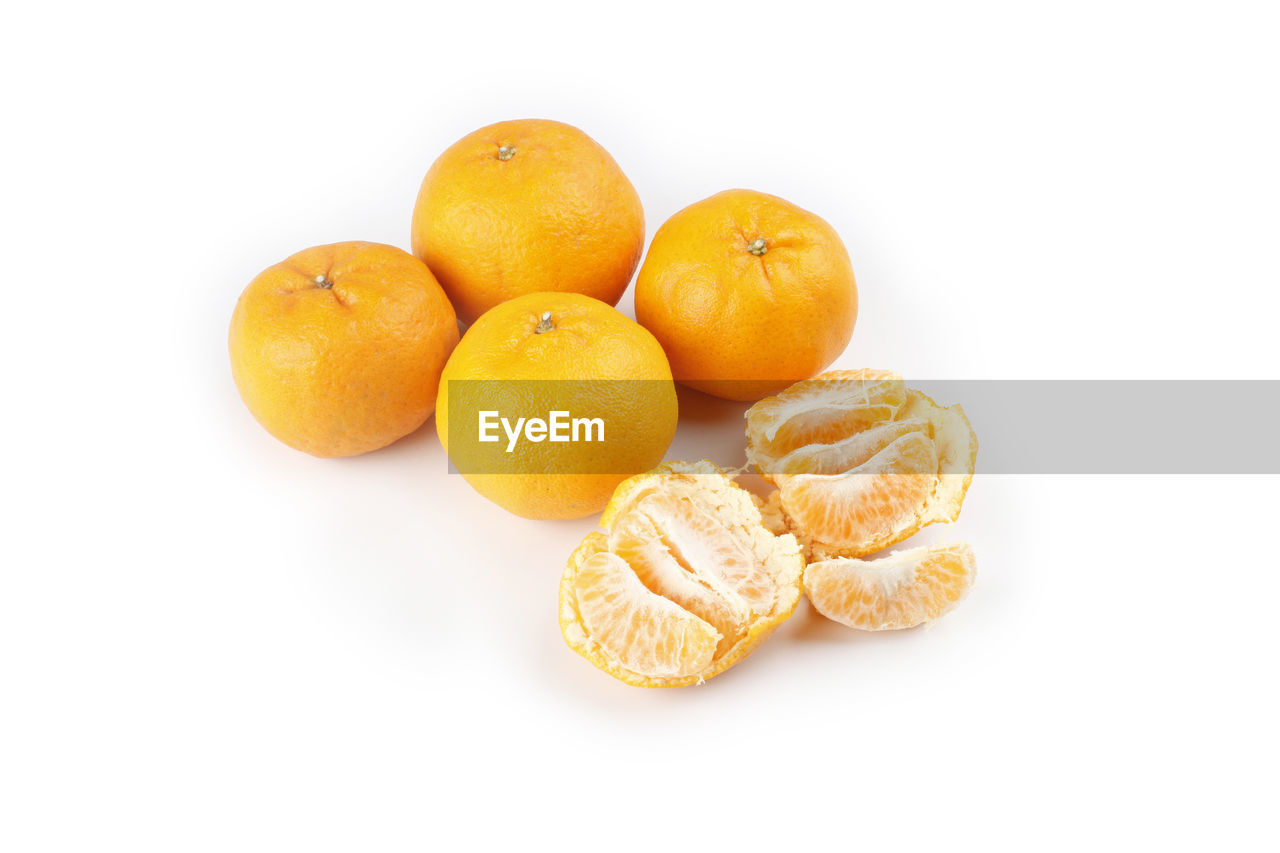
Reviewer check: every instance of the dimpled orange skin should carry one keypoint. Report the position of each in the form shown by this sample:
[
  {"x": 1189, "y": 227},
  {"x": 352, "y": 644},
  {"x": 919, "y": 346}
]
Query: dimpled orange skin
[
  {"x": 589, "y": 341},
  {"x": 741, "y": 324},
  {"x": 347, "y": 363},
  {"x": 527, "y": 206}
]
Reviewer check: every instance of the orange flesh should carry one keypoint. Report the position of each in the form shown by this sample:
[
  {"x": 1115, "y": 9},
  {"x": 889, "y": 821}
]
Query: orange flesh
[
  {"x": 696, "y": 545},
  {"x": 861, "y": 462},
  {"x": 905, "y": 589}
]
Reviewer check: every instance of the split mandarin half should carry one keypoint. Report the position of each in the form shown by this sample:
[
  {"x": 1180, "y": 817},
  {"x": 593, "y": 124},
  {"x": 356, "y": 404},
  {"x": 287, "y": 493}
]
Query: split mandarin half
[
  {"x": 747, "y": 293},
  {"x": 681, "y": 582},
  {"x": 860, "y": 461},
  {"x": 524, "y": 207},
  {"x": 338, "y": 349}
]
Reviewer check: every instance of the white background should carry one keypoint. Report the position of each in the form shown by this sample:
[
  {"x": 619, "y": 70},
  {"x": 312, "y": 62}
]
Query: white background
[{"x": 211, "y": 642}]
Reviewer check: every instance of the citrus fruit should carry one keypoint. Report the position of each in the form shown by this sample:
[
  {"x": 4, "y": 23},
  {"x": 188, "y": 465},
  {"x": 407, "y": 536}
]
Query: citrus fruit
[
  {"x": 681, "y": 582},
  {"x": 525, "y": 207},
  {"x": 902, "y": 590},
  {"x": 338, "y": 349},
  {"x": 747, "y": 293},
  {"x": 860, "y": 461},
  {"x": 547, "y": 353}
]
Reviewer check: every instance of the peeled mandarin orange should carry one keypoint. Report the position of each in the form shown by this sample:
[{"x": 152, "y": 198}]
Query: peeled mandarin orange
[
  {"x": 747, "y": 294},
  {"x": 681, "y": 582},
  {"x": 902, "y": 590},
  {"x": 338, "y": 349},
  {"x": 860, "y": 461},
  {"x": 556, "y": 352},
  {"x": 525, "y": 207}
]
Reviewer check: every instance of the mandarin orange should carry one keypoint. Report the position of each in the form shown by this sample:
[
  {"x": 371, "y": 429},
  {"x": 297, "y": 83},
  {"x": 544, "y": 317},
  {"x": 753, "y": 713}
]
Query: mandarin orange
[
  {"x": 747, "y": 293},
  {"x": 338, "y": 350},
  {"x": 527, "y": 206},
  {"x": 555, "y": 352}
]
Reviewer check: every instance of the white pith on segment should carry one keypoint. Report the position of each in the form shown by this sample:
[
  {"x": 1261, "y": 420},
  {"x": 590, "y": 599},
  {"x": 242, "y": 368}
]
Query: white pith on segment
[
  {"x": 848, "y": 453},
  {"x": 850, "y": 398},
  {"x": 644, "y": 541},
  {"x": 621, "y": 613}
]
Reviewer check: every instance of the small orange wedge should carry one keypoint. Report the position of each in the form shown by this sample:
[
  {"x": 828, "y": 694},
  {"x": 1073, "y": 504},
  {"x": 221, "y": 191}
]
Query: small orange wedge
[
  {"x": 682, "y": 582},
  {"x": 902, "y": 590}
]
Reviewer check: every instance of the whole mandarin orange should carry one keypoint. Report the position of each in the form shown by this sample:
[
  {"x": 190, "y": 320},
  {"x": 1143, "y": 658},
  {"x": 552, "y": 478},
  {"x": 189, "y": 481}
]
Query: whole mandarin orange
[
  {"x": 747, "y": 293},
  {"x": 548, "y": 352},
  {"x": 338, "y": 349},
  {"x": 525, "y": 207}
]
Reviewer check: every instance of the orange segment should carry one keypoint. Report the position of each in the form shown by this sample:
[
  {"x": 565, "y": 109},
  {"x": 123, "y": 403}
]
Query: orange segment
[
  {"x": 902, "y": 590},
  {"x": 644, "y": 542},
  {"x": 700, "y": 541},
  {"x": 821, "y": 410},
  {"x": 861, "y": 462},
  {"x": 685, "y": 535},
  {"x": 645, "y": 632},
  {"x": 847, "y": 453},
  {"x": 868, "y": 508}
]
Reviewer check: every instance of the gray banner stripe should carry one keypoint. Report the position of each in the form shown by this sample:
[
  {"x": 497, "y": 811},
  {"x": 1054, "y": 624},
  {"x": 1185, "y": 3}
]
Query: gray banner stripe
[
  {"x": 1023, "y": 426},
  {"x": 1119, "y": 426}
]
